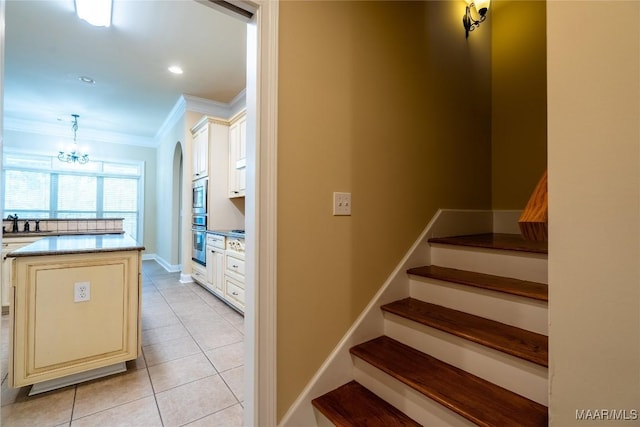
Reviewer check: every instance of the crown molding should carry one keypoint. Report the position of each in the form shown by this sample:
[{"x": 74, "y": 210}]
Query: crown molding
[
  {"x": 183, "y": 104},
  {"x": 62, "y": 131}
]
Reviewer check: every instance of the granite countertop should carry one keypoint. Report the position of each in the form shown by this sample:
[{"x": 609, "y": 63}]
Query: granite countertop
[
  {"x": 227, "y": 233},
  {"x": 9, "y": 235},
  {"x": 78, "y": 244}
]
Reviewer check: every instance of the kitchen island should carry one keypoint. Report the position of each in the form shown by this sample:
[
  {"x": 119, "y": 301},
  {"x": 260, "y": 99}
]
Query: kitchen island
[{"x": 75, "y": 309}]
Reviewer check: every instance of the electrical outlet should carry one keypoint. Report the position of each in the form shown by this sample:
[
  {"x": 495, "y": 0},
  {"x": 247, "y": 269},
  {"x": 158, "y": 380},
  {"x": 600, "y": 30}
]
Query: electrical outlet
[
  {"x": 341, "y": 203},
  {"x": 81, "y": 291}
]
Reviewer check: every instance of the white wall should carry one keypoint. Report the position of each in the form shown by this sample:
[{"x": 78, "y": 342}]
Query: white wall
[{"x": 594, "y": 209}]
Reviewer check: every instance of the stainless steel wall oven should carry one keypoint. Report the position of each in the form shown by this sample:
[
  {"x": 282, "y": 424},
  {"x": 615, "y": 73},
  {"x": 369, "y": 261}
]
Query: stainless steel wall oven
[
  {"x": 199, "y": 237},
  {"x": 199, "y": 190},
  {"x": 199, "y": 221}
]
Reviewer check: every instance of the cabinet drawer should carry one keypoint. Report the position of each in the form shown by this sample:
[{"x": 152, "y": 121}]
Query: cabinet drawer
[
  {"x": 215, "y": 241},
  {"x": 235, "y": 265},
  {"x": 198, "y": 273},
  {"x": 234, "y": 292}
]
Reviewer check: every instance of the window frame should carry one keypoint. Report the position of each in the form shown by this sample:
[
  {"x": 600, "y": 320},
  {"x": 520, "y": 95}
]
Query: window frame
[{"x": 55, "y": 170}]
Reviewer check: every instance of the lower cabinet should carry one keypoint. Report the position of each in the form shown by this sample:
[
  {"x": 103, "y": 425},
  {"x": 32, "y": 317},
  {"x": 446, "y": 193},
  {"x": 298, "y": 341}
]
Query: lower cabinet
[
  {"x": 215, "y": 270},
  {"x": 57, "y": 331},
  {"x": 234, "y": 273},
  {"x": 224, "y": 272},
  {"x": 198, "y": 273}
]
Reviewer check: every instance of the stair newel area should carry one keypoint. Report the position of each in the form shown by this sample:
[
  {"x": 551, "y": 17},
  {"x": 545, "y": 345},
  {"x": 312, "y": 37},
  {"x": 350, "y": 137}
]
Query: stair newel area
[{"x": 467, "y": 346}]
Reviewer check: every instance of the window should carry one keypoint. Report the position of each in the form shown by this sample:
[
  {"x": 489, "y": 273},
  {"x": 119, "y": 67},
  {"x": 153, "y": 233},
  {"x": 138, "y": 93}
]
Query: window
[{"x": 43, "y": 187}]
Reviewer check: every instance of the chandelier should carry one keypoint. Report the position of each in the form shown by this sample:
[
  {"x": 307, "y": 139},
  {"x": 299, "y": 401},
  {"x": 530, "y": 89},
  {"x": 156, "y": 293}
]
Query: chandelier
[{"x": 74, "y": 155}]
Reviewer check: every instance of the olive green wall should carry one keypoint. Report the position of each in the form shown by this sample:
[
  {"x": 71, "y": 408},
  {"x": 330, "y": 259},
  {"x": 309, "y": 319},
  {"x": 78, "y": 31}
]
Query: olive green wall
[
  {"x": 519, "y": 99},
  {"x": 388, "y": 101}
]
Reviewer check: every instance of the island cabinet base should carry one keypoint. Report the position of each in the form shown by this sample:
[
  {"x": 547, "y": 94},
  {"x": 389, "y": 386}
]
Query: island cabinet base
[{"x": 73, "y": 313}]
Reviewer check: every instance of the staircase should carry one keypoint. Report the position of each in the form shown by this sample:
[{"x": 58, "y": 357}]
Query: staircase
[{"x": 467, "y": 347}]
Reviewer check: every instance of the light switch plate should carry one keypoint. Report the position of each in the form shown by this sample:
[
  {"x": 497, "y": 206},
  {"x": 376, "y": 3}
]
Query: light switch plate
[{"x": 341, "y": 203}]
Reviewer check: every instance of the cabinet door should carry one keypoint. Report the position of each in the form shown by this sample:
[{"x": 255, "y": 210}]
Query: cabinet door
[
  {"x": 237, "y": 157},
  {"x": 218, "y": 271},
  {"x": 200, "y": 152},
  {"x": 210, "y": 267},
  {"x": 241, "y": 162}
]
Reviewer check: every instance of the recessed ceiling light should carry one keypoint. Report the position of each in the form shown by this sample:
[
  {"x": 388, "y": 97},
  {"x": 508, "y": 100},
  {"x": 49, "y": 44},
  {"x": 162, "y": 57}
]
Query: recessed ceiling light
[
  {"x": 175, "y": 69},
  {"x": 87, "y": 80}
]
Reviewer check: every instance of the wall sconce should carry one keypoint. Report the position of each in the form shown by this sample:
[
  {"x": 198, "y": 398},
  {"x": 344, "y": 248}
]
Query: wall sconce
[{"x": 481, "y": 7}]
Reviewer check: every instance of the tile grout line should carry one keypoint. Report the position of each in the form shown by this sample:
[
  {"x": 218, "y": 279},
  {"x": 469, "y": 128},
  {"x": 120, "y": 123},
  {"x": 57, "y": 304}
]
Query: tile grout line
[
  {"x": 146, "y": 366},
  {"x": 199, "y": 347}
]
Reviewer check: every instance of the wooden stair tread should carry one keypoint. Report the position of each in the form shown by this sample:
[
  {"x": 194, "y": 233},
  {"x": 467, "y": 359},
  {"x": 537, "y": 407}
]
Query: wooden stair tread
[
  {"x": 499, "y": 241},
  {"x": 524, "y": 288},
  {"x": 478, "y": 400},
  {"x": 354, "y": 405},
  {"x": 508, "y": 339}
]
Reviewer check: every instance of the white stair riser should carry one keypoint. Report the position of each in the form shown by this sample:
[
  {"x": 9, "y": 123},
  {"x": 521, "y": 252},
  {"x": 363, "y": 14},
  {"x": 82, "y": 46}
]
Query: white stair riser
[
  {"x": 522, "y": 377},
  {"x": 513, "y": 310},
  {"x": 415, "y": 405},
  {"x": 518, "y": 265},
  {"x": 321, "y": 420}
]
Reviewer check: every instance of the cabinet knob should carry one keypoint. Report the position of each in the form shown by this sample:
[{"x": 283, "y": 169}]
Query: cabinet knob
[{"x": 234, "y": 293}]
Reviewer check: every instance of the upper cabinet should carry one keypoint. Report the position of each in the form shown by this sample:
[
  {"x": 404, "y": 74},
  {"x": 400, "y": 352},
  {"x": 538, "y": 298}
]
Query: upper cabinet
[
  {"x": 238, "y": 155},
  {"x": 200, "y": 133}
]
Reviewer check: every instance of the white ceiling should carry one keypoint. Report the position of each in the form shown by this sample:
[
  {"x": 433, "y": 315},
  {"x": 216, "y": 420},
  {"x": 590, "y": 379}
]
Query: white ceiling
[{"x": 47, "y": 48}]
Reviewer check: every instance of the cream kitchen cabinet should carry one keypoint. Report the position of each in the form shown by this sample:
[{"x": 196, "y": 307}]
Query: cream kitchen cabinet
[
  {"x": 234, "y": 273},
  {"x": 238, "y": 155},
  {"x": 198, "y": 273},
  {"x": 215, "y": 264},
  {"x": 200, "y": 134},
  {"x": 76, "y": 310},
  {"x": 8, "y": 245}
]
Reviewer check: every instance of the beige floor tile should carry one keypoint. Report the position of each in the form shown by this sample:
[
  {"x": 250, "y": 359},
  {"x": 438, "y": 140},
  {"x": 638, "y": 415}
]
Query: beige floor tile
[
  {"x": 139, "y": 413},
  {"x": 205, "y": 315},
  {"x": 190, "y": 402},
  {"x": 182, "y": 296},
  {"x": 229, "y": 417},
  {"x": 45, "y": 410},
  {"x": 158, "y": 320},
  {"x": 227, "y": 357},
  {"x": 180, "y": 371},
  {"x": 169, "y": 350},
  {"x": 109, "y": 392},
  {"x": 164, "y": 334},
  {"x": 193, "y": 309},
  {"x": 218, "y": 338},
  {"x": 235, "y": 380}
]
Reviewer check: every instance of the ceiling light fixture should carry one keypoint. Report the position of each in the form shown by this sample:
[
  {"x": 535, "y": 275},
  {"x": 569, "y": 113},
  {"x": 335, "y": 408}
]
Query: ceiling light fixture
[
  {"x": 87, "y": 80},
  {"x": 481, "y": 7},
  {"x": 95, "y": 12},
  {"x": 74, "y": 155},
  {"x": 175, "y": 69}
]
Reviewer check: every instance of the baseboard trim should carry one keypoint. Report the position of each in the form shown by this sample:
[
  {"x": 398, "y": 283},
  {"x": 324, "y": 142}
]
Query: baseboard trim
[{"x": 171, "y": 268}]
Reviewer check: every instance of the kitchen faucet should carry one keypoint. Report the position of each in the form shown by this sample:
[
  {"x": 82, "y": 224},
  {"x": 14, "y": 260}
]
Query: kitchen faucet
[{"x": 14, "y": 218}]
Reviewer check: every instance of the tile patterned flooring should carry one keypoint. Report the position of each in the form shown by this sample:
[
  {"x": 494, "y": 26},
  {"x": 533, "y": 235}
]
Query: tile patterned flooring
[{"x": 190, "y": 372}]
